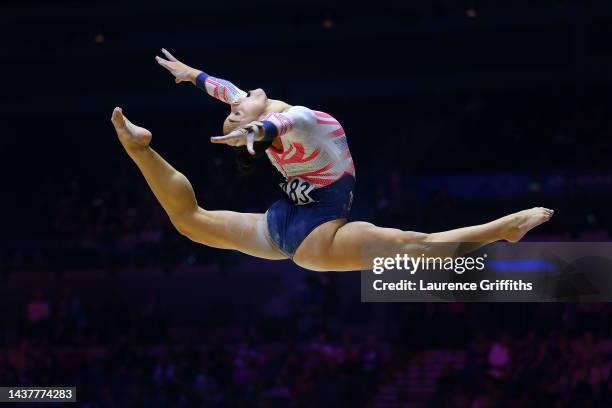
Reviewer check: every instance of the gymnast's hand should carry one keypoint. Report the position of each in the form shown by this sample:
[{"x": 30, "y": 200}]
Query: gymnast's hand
[
  {"x": 246, "y": 135},
  {"x": 181, "y": 72}
]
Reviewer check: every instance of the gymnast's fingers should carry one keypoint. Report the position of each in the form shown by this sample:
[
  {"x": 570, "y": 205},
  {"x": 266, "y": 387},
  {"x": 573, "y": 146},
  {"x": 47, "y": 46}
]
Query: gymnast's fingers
[
  {"x": 230, "y": 140},
  {"x": 163, "y": 62},
  {"x": 168, "y": 55},
  {"x": 250, "y": 141},
  {"x": 220, "y": 139}
]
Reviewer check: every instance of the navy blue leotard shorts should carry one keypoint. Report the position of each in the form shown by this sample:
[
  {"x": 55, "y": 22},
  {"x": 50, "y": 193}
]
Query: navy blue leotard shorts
[{"x": 290, "y": 223}]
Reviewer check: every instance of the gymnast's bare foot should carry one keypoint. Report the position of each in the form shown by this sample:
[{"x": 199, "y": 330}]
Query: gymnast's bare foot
[
  {"x": 518, "y": 224},
  {"x": 131, "y": 136}
]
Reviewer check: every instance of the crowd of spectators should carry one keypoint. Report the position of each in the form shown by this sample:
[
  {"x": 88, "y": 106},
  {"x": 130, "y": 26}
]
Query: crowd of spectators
[
  {"x": 134, "y": 353},
  {"x": 550, "y": 369},
  {"x": 315, "y": 373},
  {"x": 74, "y": 314}
]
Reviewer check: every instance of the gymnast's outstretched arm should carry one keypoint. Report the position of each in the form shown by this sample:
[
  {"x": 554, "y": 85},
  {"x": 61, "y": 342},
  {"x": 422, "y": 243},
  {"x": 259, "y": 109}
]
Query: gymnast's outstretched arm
[
  {"x": 218, "y": 88},
  {"x": 218, "y": 229}
]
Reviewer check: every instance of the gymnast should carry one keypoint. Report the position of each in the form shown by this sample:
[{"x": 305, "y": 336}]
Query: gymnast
[{"x": 308, "y": 224}]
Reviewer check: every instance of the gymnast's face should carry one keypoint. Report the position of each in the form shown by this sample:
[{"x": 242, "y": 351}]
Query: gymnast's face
[{"x": 246, "y": 109}]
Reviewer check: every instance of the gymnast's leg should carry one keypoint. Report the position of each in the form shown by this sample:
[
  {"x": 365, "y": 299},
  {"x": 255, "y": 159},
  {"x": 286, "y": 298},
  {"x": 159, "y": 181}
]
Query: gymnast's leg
[
  {"x": 218, "y": 229},
  {"x": 341, "y": 246}
]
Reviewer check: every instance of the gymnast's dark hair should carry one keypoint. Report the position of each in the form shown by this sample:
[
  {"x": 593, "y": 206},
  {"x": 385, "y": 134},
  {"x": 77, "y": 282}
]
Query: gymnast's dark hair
[{"x": 246, "y": 161}]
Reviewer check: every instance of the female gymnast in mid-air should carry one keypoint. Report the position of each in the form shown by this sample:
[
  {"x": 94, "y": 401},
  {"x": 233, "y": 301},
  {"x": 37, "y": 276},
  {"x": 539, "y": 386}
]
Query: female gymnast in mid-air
[{"x": 309, "y": 223}]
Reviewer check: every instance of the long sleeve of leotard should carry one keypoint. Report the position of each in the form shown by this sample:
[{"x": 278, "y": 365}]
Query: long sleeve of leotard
[
  {"x": 278, "y": 124},
  {"x": 219, "y": 88}
]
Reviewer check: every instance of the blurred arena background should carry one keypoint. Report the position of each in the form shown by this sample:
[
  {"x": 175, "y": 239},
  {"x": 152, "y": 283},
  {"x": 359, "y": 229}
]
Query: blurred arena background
[{"x": 456, "y": 112}]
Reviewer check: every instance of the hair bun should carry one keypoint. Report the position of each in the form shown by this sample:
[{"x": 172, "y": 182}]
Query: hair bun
[{"x": 246, "y": 161}]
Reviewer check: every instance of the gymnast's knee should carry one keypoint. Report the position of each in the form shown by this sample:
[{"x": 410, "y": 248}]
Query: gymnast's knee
[
  {"x": 181, "y": 227},
  {"x": 184, "y": 225}
]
